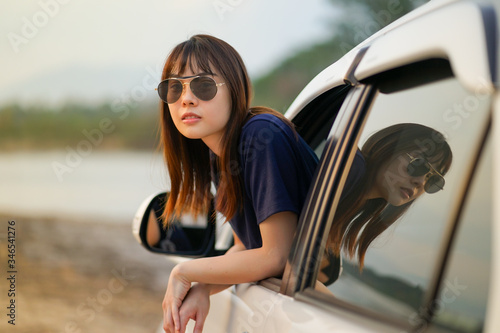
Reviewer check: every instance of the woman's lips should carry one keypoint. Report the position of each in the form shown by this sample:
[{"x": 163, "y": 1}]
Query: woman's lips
[
  {"x": 407, "y": 193},
  {"x": 189, "y": 118}
]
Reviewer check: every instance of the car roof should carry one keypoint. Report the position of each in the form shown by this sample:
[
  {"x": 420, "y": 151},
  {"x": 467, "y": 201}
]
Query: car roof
[{"x": 427, "y": 32}]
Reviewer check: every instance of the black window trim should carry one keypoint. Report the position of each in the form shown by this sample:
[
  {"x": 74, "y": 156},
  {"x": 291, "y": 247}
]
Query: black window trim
[{"x": 302, "y": 266}]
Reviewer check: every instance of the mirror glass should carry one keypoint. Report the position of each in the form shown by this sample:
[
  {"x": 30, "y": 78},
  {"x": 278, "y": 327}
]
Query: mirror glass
[{"x": 185, "y": 235}]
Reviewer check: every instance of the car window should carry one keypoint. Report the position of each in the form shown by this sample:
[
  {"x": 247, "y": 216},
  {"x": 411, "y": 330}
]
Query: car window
[
  {"x": 461, "y": 304},
  {"x": 399, "y": 263},
  {"x": 315, "y": 120}
]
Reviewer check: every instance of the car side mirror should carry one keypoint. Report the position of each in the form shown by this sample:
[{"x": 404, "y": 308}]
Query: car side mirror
[{"x": 184, "y": 236}]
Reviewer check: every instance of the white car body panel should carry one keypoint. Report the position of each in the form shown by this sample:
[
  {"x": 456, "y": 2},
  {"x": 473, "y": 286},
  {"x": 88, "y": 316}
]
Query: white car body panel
[
  {"x": 257, "y": 309},
  {"x": 407, "y": 44},
  {"x": 492, "y": 323}
]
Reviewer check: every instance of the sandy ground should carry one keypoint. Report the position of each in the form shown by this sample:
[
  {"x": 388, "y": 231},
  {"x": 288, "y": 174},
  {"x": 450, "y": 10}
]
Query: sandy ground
[{"x": 80, "y": 277}]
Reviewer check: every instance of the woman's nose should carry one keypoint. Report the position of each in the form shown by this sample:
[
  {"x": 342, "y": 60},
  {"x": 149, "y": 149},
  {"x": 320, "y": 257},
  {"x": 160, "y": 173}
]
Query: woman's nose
[
  {"x": 418, "y": 181},
  {"x": 187, "y": 96}
]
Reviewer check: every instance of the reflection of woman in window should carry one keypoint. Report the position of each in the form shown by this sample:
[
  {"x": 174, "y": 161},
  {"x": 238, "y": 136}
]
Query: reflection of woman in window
[{"x": 395, "y": 166}]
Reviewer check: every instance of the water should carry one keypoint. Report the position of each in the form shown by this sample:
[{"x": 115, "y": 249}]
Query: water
[{"x": 104, "y": 185}]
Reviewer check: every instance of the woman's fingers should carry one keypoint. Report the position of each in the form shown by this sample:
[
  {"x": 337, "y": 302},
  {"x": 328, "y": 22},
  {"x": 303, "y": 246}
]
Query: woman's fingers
[
  {"x": 175, "y": 316},
  {"x": 171, "y": 320},
  {"x": 177, "y": 288},
  {"x": 198, "y": 327},
  {"x": 185, "y": 316},
  {"x": 168, "y": 324}
]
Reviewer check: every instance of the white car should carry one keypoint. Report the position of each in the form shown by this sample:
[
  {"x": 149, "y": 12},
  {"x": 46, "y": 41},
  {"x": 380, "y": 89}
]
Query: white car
[{"x": 437, "y": 268}]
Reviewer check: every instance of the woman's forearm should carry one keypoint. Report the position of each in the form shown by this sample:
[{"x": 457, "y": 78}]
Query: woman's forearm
[
  {"x": 240, "y": 265},
  {"x": 212, "y": 288},
  {"x": 234, "y": 267}
]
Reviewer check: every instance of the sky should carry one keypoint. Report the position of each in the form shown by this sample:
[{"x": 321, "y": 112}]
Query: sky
[{"x": 58, "y": 50}]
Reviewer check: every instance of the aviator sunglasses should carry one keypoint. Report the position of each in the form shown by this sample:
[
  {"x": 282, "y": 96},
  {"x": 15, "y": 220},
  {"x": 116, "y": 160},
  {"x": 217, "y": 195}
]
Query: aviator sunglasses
[
  {"x": 203, "y": 87},
  {"x": 418, "y": 167}
]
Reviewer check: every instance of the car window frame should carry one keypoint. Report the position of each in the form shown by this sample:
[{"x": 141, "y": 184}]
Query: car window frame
[
  {"x": 333, "y": 99},
  {"x": 302, "y": 269},
  {"x": 301, "y": 260}
]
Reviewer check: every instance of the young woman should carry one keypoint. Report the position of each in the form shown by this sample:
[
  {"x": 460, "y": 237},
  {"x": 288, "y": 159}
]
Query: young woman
[
  {"x": 261, "y": 167},
  {"x": 262, "y": 170},
  {"x": 395, "y": 166}
]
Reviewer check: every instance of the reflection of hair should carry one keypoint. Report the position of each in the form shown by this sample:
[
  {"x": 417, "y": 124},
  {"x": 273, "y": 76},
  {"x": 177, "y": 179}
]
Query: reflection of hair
[
  {"x": 358, "y": 221},
  {"x": 188, "y": 160}
]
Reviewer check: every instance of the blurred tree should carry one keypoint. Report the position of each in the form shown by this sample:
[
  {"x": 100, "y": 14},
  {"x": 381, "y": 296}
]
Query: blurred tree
[
  {"x": 359, "y": 20},
  {"x": 42, "y": 127}
]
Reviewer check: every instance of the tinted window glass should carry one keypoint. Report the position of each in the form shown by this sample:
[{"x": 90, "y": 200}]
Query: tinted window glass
[
  {"x": 315, "y": 120},
  {"x": 399, "y": 264},
  {"x": 461, "y": 305}
]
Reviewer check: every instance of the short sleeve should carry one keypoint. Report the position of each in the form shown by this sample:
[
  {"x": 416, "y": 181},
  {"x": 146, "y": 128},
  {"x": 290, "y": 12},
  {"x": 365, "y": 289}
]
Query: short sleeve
[{"x": 275, "y": 165}]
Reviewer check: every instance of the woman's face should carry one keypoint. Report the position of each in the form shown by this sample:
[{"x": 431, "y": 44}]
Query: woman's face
[
  {"x": 394, "y": 184},
  {"x": 198, "y": 119}
]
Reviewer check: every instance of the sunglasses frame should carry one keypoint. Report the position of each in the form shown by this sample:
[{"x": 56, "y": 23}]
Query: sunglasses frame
[
  {"x": 192, "y": 77},
  {"x": 432, "y": 170}
]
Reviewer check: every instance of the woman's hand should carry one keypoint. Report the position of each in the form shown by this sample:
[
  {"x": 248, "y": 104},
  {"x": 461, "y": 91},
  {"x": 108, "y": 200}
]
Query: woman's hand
[
  {"x": 195, "y": 306},
  {"x": 178, "y": 287}
]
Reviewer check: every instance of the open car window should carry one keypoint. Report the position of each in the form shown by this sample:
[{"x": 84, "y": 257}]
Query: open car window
[{"x": 313, "y": 122}]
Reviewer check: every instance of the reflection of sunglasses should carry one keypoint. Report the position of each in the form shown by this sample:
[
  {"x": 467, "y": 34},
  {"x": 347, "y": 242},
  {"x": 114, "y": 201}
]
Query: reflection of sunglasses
[
  {"x": 203, "y": 87},
  {"x": 420, "y": 167}
]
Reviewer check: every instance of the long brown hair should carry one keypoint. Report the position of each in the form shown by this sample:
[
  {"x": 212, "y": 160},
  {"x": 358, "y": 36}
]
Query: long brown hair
[
  {"x": 188, "y": 160},
  {"x": 359, "y": 221}
]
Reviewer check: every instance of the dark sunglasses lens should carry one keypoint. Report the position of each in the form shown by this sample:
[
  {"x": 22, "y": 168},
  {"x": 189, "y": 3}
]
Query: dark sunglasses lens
[
  {"x": 174, "y": 90},
  {"x": 434, "y": 184},
  {"x": 204, "y": 88},
  {"x": 170, "y": 90},
  {"x": 417, "y": 167}
]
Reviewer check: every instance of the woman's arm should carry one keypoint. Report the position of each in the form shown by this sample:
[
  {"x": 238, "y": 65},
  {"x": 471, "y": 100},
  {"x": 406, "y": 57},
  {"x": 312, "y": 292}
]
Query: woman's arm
[
  {"x": 247, "y": 266},
  {"x": 153, "y": 233},
  {"x": 197, "y": 302},
  {"x": 234, "y": 267},
  {"x": 215, "y": 288}
]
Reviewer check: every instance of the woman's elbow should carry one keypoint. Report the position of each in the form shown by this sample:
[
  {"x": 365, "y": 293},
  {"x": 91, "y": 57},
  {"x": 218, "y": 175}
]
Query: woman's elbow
[{"x": 276, "y": 264}]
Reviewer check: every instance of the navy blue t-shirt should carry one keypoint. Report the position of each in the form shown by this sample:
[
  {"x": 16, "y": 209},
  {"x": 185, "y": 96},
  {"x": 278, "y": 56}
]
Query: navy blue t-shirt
[{"x": 277, "y": 167}]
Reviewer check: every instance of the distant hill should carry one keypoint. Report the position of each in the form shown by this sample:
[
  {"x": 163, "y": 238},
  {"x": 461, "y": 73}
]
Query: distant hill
[{"x": 391, "y": 286}]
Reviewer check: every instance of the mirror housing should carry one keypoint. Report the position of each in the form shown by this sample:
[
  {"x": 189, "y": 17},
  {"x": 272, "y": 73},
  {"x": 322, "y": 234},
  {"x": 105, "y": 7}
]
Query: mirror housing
[{"x": 184, "y": 236}]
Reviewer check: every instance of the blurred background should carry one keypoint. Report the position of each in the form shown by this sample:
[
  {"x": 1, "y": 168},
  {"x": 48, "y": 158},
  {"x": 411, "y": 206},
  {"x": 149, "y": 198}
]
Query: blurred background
[
  {"x": 78, "y": 110},
  {"x": 78, "y": 134}
]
